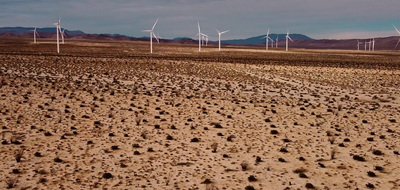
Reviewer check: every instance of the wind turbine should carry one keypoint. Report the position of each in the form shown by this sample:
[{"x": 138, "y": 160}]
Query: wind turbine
[
  {"x": 276, "y": 41},
  {"x": 365, "y": 45},
  {"x": 34, "y": 35},
  {"x": 204, "y": 39},
  {"x": 266, "y": 39},
  {"x": 373, "y": 44},
  {"x": 152, "y": 35},
  {"x": 62, "y": 33},
  {"x": 287, "y": 40},
  {"x": 399, "y": 34},
  {"x": 57, "y": 24},
  {"x": 219, "y": 38},
  {"x": 358, "y": 45}
]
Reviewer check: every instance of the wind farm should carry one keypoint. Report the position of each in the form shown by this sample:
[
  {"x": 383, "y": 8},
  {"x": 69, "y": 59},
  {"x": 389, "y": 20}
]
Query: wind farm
[{"x": 276, "y": 108}]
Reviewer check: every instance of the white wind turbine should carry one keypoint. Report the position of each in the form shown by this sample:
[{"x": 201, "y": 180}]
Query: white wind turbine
[
  {"x": 287, "y": 40},
  {"x": 276, "y": 41},
  {"x": 204, "y": 39},
  {"x": 57, "y": 24},
  {"x": 399, "y": 34},
  {"x": 358, "y": 45},
  {"x": 34, "y": 35},
  {"x": 62, "y": 33},
  {"x": 152, "y": 35},
  {"x": 219, "y": 38},
  {"x": 373, "y": 44},
  {"x": 365, "y": 45},
  {"x": 267, "y": 38}
]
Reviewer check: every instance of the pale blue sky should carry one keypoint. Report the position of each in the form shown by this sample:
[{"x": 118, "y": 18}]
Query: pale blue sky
[{"x": 244, "y": 18}]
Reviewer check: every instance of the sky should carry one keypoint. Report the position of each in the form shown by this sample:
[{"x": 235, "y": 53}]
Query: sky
[{"x": 318, "y": 19}]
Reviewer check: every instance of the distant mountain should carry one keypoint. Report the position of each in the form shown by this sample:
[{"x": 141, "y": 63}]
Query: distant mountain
[
  {"x": 260, "y": 39},
  {"x": 184, "y": 40},
  {"x": 382, "y": 43},
  {"x": 299, "y": 40},
  {"x": 28, "y": 30}
]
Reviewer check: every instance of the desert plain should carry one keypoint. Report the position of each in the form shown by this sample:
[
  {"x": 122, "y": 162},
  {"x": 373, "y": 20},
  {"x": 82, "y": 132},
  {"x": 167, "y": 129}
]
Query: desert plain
[{"x": 108, "y": 115}]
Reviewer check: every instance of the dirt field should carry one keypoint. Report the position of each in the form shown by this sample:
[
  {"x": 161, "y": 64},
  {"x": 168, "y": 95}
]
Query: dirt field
[{"x": 108, "y": 115}]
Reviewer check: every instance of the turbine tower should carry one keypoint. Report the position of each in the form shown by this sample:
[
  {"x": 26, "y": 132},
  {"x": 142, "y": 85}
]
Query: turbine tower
[
  {"x": 57, "y": 24},
  {"x": 34, "y": 35},
  {"x": 399, "y": 34},
  {"x": 287, "y": 40},
  {"x": 200, "y": 35},
  {"x": 152, "y": 35},
  {"x": 276, "y": 41},
  {"x": 219, "y": 38}
]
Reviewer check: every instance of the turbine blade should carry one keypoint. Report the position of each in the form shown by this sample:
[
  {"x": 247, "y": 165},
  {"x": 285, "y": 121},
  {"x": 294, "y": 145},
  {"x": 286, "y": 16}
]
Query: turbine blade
[
  {"x": 218, "y": 31},
  {"x": 224, "y": 31},
  {"x": 396, "y": 29},
  {"x": 146, "y": 30},
  {"x": 290, "y": 38},
  {"x": 397, "y": 44},
  {"x": 155, "y": 37},
  {"x": 155, "y": 24},
  {"x": 198, "y": 26}
]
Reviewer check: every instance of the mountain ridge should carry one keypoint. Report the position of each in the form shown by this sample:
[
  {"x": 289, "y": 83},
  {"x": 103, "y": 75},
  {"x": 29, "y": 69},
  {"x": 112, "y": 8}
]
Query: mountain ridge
[{"x": 299, "y": 40}]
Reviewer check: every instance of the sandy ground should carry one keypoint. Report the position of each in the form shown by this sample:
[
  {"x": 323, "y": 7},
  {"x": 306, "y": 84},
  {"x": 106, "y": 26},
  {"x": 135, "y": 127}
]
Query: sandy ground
[{"x": 119, "y": 122}]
